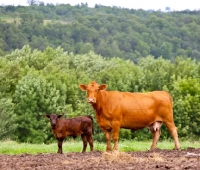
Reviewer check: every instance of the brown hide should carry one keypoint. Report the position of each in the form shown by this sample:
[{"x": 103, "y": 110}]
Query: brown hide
[
  {"x": 82, "y": 125},
  {"x": 115, "y": 110}
]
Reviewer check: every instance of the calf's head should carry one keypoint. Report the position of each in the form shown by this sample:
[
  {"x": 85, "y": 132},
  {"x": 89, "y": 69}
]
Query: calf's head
[
  {"x": 92, "y": 90},
  {"x": 53, "y": 119}
]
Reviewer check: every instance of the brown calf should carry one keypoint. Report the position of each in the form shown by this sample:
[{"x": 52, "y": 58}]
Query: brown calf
[{"x": 82, "y": 125}]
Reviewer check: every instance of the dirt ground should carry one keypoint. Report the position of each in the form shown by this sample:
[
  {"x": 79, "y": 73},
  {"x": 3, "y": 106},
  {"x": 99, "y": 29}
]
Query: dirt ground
[{"x": 158, "y": 159}]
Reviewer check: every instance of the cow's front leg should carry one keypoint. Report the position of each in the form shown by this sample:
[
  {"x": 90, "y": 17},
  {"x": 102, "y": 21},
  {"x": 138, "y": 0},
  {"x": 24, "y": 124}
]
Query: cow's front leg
[
  {"x": 115, "y": 135},
  {"x": 108, "y": 140},
  {"x": 60, "y": 141}
]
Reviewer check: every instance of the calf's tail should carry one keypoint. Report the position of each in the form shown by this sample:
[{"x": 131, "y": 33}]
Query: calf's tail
[{"x": 92, "y": 124}]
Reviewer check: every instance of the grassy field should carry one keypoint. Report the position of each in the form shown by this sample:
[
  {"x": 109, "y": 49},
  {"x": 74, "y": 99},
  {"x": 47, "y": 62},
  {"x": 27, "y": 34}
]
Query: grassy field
[
  {"x": 9, "y": 19},
  {"x": 12, "y": 147}
]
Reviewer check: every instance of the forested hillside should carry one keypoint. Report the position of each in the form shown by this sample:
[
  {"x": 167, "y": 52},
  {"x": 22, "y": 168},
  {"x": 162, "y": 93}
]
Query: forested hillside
[{"x": 108, "y": 31}]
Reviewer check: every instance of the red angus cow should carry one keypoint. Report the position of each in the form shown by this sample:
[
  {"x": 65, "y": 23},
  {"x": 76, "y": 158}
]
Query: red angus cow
[
  {"x": 82, "y": 125},
  {"x": 115, "y": 110}
]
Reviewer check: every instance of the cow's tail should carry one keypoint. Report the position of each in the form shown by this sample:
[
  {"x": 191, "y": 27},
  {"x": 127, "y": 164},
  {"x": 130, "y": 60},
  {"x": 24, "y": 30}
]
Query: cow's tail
[{"x": 92, "y": 124}]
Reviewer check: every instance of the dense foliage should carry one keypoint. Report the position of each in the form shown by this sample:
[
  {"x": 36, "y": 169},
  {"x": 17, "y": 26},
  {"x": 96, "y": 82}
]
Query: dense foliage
[
  {"x": 34, "y": 82},
  {"x": 108, "y": 31}
]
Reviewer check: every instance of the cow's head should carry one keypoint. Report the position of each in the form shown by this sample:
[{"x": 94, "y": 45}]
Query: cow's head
[
  {"x": 92, "y": 90},
  {"x": 53, "y": 119}
]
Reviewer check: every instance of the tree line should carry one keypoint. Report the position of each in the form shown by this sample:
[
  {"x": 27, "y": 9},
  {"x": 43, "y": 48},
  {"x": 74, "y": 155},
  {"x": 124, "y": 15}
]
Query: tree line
[
  {"x": 108, "y": 31},
  {"x": 35, "y": 82}
]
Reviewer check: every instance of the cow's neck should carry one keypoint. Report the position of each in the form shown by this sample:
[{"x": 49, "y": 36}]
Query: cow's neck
[
  {"x": 94, "y": 105},
  {"x": 98, "y": 105}
]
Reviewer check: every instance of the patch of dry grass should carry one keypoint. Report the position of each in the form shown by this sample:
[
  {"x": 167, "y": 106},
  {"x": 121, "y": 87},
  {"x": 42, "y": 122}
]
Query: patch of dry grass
[
  {"x": 116, "y": 156},
  {"x": 123, "y": 157}
]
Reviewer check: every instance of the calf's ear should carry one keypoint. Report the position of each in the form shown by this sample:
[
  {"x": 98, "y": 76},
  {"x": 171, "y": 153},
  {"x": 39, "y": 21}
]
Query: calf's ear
[
  {"x": 59, "y": 116},
  {"x": 47, "y": 116},
  {"x": 83, "y": 87}
]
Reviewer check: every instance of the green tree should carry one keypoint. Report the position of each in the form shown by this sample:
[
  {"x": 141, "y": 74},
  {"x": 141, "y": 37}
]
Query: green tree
[
  {"x": 156, "y": 73},
  {"x": 39, "y": 43},
  {"x": 8, "y": 123},
  {"x": 166, "y": 50},
  {"x": 86, "y": 48},
  {"x": 186, "y": 107},
  {"x": 34, "y": 97},
  {"x": 32, "y": 2}
]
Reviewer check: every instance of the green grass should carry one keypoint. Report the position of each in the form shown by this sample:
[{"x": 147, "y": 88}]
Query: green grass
[
  {"x": 12, "y": 147},
  {"x": 10, "y": 19},
  {"x": 131, "y": 145}
]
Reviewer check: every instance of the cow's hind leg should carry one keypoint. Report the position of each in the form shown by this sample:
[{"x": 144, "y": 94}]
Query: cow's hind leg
[
  {"x": 156, "y": 136},
  {"x": 173, "y": 130},
  {"x": 156, "y": 132},
  {"x": 84, "y": 139},
  {"x": 90, "y": 141}
]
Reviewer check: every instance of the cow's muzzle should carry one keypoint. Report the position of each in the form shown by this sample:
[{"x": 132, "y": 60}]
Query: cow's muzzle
[{"x": 91, "y": 100}]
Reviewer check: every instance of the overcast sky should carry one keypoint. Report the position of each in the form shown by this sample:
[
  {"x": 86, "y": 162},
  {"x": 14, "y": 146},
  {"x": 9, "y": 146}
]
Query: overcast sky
[{"x": 131, "y": 4}]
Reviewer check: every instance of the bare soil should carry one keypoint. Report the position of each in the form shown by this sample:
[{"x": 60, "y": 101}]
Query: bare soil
[{"x": 158, "y": 159}]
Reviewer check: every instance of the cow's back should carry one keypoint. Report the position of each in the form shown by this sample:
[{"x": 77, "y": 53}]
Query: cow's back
[{"x": 77, "y": 126}]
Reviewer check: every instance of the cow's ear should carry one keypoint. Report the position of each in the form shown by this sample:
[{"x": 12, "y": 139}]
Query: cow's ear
[
  {"x": 47, "y": 116},
  {"x": 83, "y": 87},
  {"x": 59, "y": 116},
  {"x": 103, "y": 87}
]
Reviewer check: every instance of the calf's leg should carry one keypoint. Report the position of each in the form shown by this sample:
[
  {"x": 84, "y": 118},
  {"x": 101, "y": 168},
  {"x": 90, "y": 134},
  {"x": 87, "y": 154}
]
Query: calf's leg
[
  {"x": 60, "y": 141},
  {"x": 84, "y": 139},
  {"x": 90, "y": 141}
]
